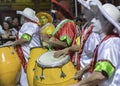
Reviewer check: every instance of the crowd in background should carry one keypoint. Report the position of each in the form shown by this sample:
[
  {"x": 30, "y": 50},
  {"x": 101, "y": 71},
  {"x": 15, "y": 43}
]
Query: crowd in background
[
  {"x": 11, "y": 25},
  {"x": 9, "y": 29}
]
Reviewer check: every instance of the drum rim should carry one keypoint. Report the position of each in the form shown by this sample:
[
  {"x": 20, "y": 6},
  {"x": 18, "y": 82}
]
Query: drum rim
[
  {"x": 53, "y": 65},
  {"x": 5, "y": 46},
  {"x": 38, "y": 47}
]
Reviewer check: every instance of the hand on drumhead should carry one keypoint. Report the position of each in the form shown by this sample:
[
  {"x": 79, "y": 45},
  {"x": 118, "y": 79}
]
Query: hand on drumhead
[
  {"x": 59, "y": 53},
  {"x": 78, "y": 75}
]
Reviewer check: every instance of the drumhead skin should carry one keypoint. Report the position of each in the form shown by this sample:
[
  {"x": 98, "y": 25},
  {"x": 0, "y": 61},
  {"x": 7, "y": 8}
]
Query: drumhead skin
[{"x": 47, "y": 60}]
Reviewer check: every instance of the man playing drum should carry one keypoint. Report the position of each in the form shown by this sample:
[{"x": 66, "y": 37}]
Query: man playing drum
[
  {"x": 88, "y": 40},
  {"x": 46, "y": 25},
  {"x": 105, "y": 65},
  {"x": 65, "y": 33},
  {"x": 45, "y": 22},
  {"x": 28, "y": 37}
]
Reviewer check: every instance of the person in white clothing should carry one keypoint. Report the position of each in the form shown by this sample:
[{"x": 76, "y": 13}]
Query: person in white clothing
[
  {"x": 88, "y": 41},
  {"x": 105, "y": 67},
  {"x": 28, "y": 37}
]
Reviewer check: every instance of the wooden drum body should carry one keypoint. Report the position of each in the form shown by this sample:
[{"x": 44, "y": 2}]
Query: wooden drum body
[
  {"x": 10, "y": 67},
  {"x": 51, "y": 71},
  {"x": 34, "y": 54}
]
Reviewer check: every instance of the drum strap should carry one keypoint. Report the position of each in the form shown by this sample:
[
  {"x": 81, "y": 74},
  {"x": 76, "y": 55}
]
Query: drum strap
[{"x": 21, "y": 55}]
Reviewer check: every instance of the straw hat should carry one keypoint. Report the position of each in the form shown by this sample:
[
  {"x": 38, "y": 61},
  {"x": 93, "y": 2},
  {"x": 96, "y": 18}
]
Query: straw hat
[
  {"x": 110, "y": 12},
  {"x": 29, "y": 13},
  {"x": 65, "y": 7},
  {"x": 50, "y": 19}
]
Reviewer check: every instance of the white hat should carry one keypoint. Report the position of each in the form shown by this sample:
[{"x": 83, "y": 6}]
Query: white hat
[
  {"x": 86, "y": 3},
  {"x": 118, "y": 7},
  {"x": 6, "y": 18},
  {"x": 29, "y": 13},
  {"x": 83, "y": 2},
  {"x": 111, "y": 13}
]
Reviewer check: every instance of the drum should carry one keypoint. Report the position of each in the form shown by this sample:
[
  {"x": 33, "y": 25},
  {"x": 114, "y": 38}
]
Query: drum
[
  {"x": 10, "y": 66},
  {"x": 50, "y": 71},
  {"x": 34, "y": 54}
]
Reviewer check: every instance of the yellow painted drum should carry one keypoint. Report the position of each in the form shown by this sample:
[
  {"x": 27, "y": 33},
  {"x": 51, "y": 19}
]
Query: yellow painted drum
[
  {"x": 34, "y": 54},
  {"x": 10, "y": 66},
  {"x": 50, "y": 71}
]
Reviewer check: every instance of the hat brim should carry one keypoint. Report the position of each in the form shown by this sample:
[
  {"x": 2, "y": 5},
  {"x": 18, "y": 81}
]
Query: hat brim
[
  {"x": 50, "y": 19},
  {"x": 35, "y": 19},
  {"x": 106, "y": 15},
  {"x": 64, "y": 10},
  {"x": 82, "y": 2},
  {"x": 109, "y": 18},
  {"x": 118, "y": 7}
]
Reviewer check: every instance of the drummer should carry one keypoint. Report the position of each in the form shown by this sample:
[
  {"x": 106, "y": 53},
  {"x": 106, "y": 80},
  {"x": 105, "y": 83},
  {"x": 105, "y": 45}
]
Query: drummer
[
  {"x": 65, "y": 33},
  {"x": 105, "y": 66},
  {"x": 28, "y": 37},
  {"x": 88, "y": 40},
  {"x": 45, "y": 20}
]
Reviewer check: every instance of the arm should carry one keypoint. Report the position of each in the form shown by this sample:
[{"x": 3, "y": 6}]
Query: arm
[
  {"x": 20, "y": 41},
  {"x": 17, "y": 42},
  {"x": 24, "y": 39},
  {"x": 66, "y": 51},
  {"x": 94, "y": 79},
  {"x": 80, "y": 73},
  {"x": 58, "y": 44},
  {"x": 74, "y": 48},
  {"x": 103, "y": 70}
]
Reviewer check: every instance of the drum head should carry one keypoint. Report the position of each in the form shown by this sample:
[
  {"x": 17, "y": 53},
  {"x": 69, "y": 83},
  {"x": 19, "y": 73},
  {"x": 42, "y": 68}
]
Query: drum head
[{"x": 48, "y": 60}]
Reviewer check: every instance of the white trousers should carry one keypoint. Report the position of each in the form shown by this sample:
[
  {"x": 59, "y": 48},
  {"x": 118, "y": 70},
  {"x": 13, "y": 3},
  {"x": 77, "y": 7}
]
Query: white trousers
[{"x": 23, "y": 78}]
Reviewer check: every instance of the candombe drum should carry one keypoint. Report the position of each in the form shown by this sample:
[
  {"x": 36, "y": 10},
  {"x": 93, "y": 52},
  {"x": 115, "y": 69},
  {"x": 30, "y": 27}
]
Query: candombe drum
[
  {"x": 50, "y": 71},
  {"x": 34, "y": 54},
  {"x": 10, "y": 66}
]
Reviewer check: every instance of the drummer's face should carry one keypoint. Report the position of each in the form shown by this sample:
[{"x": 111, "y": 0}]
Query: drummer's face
[
  {"x": 99, "y": 23},
  {"x": 43, "y": 20}
]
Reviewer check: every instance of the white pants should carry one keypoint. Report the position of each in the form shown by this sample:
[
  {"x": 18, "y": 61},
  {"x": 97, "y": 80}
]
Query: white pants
[{"x": 23, "y": 78}]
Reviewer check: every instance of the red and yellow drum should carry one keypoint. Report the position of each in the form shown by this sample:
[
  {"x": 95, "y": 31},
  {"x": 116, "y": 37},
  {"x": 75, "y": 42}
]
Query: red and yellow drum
[
  {"x": 10, "y": 66},
  {"x": 50, "y": 71},
  {"x": 34, "y": 54}
]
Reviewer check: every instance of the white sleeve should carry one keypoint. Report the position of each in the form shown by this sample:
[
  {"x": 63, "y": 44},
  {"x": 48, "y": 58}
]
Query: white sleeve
[
  {"x": 91, "y": 43},
  {"x": 30, "y": 28}
]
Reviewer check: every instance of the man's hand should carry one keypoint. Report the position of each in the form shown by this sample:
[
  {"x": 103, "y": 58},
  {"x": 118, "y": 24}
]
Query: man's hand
[
  {"x": 63, "y": 52},
  {"x": 44, "y": 37},
  {"x": 78, "y": 75}
]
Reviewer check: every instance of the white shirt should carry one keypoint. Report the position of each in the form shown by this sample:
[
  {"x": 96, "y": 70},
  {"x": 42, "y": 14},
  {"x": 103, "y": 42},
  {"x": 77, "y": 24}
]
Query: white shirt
[
  {"x": 87, "y": 54},
  {"x": 32, "y": 29},
  {"x": 110, "y": 50}
]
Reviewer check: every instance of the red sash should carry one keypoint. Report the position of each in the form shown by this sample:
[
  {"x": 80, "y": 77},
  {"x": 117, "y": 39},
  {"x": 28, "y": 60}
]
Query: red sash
[
  {"x": 83, "y": 44},
  {"x": 21, "y": 55}
]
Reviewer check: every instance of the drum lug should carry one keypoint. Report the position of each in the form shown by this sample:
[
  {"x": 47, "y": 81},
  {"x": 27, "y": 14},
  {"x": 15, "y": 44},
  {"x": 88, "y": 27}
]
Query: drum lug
[
  {"x": 42, "y": 75},
  {"x": 62, "y": 75}
]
